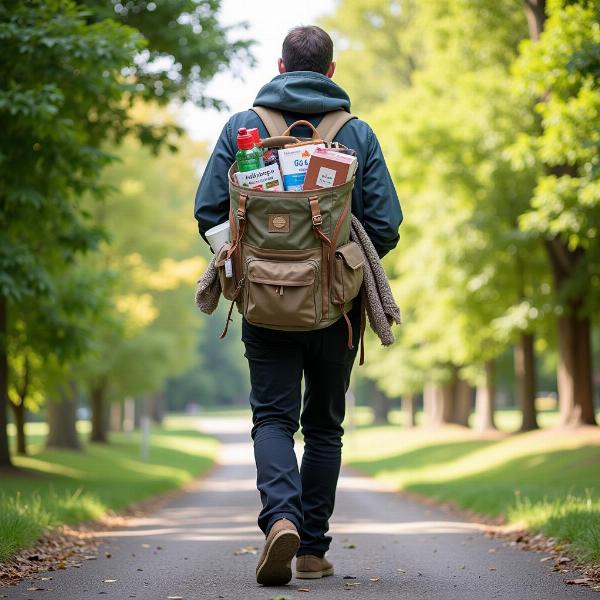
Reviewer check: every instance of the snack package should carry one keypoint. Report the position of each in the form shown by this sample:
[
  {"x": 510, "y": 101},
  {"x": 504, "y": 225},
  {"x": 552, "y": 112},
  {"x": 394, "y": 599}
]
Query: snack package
[
  {"x": 327, "y": 168},
  {"x": 266, "y": 178},
  {"x": 294, "y": 163}
]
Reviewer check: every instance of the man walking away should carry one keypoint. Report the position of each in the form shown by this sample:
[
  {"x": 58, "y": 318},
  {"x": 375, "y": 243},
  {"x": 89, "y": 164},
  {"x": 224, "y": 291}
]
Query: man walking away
[{"x": 297, "y": 504}]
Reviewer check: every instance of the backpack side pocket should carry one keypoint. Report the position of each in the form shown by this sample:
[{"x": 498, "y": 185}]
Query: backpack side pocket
[
  {"x": 228, "y": 283},
  {"x": 347, "y": 275}
]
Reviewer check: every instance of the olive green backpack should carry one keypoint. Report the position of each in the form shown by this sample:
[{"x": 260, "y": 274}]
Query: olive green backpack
[{"x": 294, "y": 266}]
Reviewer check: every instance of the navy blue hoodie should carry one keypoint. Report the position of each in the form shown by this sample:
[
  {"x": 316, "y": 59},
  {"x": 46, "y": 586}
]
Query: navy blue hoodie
[{"x": 308, "y": 95}]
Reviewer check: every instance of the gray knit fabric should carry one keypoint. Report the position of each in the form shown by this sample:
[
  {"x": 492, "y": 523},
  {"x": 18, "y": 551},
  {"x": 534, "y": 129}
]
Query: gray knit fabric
[
  {"x": 382, "y": 309},
  {"x": 208, "y": 290}
]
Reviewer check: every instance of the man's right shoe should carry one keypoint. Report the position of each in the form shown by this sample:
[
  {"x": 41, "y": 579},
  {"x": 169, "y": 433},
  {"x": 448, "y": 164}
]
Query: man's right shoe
[
  {"x": 275, "y": 562},
  {"x": 309, "y": 566}
]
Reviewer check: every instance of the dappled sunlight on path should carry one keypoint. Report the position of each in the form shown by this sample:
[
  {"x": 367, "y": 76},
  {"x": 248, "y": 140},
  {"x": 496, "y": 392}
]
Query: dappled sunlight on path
[{"x": 204, "y": 542}]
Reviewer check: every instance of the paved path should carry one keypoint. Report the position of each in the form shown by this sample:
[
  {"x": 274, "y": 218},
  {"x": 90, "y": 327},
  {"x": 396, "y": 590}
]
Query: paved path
[{"x": 402, "y": 550}]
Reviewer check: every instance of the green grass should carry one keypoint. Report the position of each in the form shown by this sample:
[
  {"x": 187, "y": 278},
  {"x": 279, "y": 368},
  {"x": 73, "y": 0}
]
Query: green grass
[
  {"x": 547, "y": 481},
  {"x": 57, "y": 487}
]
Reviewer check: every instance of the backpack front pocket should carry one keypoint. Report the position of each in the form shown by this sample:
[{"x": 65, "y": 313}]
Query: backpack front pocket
[
  {"x": 347, "y": 277},
  {"x": 282, "y": 293}
]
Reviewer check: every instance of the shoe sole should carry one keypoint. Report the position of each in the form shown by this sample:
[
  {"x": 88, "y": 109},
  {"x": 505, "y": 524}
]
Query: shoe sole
[
  {"x": 314, "y": 574},
  {"x": 276, "y": 568}
]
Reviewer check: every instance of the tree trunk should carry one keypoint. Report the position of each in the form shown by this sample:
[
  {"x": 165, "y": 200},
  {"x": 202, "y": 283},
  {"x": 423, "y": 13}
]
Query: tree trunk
[
  {"x": 19, "y": 418},
  {"x": 157, "y": 407},
  {"x": 99, "y": 416},
  {"x": 381, "y": 407},
  {"x": 62, "y": 420},
  {"x": 575, "y": 389},
  {"x": 535, "y": 10},
  {"x": 409, "y": 411},
  {"x": 116, "y": 415},
  {"x": 485, "y": 400},
  {"x": 463, "y": 396},
  {"x": 4, "y": 451},
  {"x": 437, "y": 403},
  {"x": 524, "y": 360}
]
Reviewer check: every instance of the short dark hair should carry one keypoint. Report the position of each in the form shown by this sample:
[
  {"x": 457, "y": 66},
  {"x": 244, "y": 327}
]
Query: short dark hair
[{"x": 307, "y": 48}]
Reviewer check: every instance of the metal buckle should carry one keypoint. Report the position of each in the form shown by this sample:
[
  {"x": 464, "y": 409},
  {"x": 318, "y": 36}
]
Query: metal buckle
[{"x": 317, "y": 220}]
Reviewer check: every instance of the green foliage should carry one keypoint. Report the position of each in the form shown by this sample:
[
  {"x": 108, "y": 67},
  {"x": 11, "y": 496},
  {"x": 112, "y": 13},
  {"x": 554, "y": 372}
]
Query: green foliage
[
  {"x": 559, "y": 75},
  {"x": 186, "y": 46},
  {"x": 148, "y": 329},
  {"x": 468, "y": 276}
]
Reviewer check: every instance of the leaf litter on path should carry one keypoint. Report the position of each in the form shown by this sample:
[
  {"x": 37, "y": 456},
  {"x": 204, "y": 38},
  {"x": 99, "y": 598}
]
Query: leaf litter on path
[{"x": 246, "y": 550}]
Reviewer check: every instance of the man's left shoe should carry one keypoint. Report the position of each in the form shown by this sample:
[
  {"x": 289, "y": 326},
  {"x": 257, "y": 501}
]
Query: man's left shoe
[
  {"x": 309, "y": 566},
  {"x": 275, "y": 562}
]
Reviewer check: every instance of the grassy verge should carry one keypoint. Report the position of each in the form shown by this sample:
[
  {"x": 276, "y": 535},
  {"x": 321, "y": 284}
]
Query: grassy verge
[
  {"x": 57, "y": 487},
  {"x": 546, "y": 481}
]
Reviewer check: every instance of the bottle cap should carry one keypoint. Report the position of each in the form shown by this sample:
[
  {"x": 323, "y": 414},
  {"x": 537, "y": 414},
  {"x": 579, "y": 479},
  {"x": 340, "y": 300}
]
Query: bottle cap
[
  {"x": 245, "y": 141},
  {"x": 255, "y": 135}
]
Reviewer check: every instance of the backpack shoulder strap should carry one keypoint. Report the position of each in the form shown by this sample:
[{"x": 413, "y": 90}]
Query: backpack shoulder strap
[
  {"x": 332, "y": 122},
  {"x": 272, "y": 119}
]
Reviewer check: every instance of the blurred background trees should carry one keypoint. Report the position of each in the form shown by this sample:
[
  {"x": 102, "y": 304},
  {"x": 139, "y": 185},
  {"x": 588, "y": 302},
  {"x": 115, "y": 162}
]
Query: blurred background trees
[
  {"x": 79, "y": 314},
  {"x": 488, "y": 114},
  {"x": 490, "y": 127}
]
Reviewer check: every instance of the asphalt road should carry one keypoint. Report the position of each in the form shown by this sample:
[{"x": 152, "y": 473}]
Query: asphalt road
[{"x": 201, "y": 544}]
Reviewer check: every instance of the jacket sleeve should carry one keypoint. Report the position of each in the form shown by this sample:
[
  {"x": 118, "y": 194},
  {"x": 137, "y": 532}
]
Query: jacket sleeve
[
  {"x": 212, "y": 197},
  {"x": 382, "y": 213}
]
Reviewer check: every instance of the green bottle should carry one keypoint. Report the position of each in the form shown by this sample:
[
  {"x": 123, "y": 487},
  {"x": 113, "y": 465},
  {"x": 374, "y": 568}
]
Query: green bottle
[{"x": 248, "y": 156}]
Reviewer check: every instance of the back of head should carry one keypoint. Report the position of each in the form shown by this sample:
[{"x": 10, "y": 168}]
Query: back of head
[{"x": 307, "y": 48}]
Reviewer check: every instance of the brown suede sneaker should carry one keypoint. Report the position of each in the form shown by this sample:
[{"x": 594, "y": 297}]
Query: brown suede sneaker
[
  {"x": 309, "y": 566},
  {"x": 275, "y": 562}
]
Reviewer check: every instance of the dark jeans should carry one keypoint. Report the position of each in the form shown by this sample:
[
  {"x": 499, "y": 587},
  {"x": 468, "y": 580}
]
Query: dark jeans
[{"x": 277, "y": 361}]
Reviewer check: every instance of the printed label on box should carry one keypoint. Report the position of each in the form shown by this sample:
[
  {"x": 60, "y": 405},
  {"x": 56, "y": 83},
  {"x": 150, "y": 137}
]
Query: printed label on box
[{"x": 326, "y": 177}]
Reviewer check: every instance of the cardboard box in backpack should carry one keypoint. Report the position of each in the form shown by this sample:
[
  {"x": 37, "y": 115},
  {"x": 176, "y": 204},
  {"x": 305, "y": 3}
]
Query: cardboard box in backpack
[{"x": 294, "y": 266}]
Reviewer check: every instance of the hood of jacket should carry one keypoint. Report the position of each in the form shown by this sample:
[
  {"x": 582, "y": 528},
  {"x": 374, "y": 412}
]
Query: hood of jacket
[{"x": 303, "y": 92}]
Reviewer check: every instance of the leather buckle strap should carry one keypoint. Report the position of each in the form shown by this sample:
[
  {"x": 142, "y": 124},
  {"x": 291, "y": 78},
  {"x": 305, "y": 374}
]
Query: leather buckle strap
[
  {"x": 241, "y": 211},
  {"x": 241, "y": 215},
  {"x": 317, "y": 218}
]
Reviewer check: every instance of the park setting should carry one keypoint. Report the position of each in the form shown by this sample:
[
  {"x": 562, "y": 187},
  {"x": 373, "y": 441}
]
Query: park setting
[{"x": 129, "y": 421}]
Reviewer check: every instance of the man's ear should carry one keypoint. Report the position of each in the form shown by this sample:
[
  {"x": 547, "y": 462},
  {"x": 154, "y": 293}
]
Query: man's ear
[
  {"x": 331, "y": 70},
  {"x": 281, "y": 65}
]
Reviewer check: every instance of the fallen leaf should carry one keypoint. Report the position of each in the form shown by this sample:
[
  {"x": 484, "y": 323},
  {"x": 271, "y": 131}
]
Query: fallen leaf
[
  {"x": 145, "y": 545},
  {"x": 350, "y": 546},
  {"x": 108, "y": 555},
  {"x": 109, "y": 580},
  {"x": 563, "y": 559},
  {"x": 303, "y": 590},
  {"x": 546, "y": 558},
  {"x": 246, "y": 550},
  {"x": 35, "y": 589},
  {"x": 578, "y": 581},
  {"x": 374, "y": 578},
  {"x": 491, "y": 550},
  {"x": 348, "y": 577},
  {"x": 174, "y": 597}
]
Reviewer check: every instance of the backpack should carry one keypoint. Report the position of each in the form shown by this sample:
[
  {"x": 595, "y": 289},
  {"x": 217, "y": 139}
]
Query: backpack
[{"x": 290, "y": 264}]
